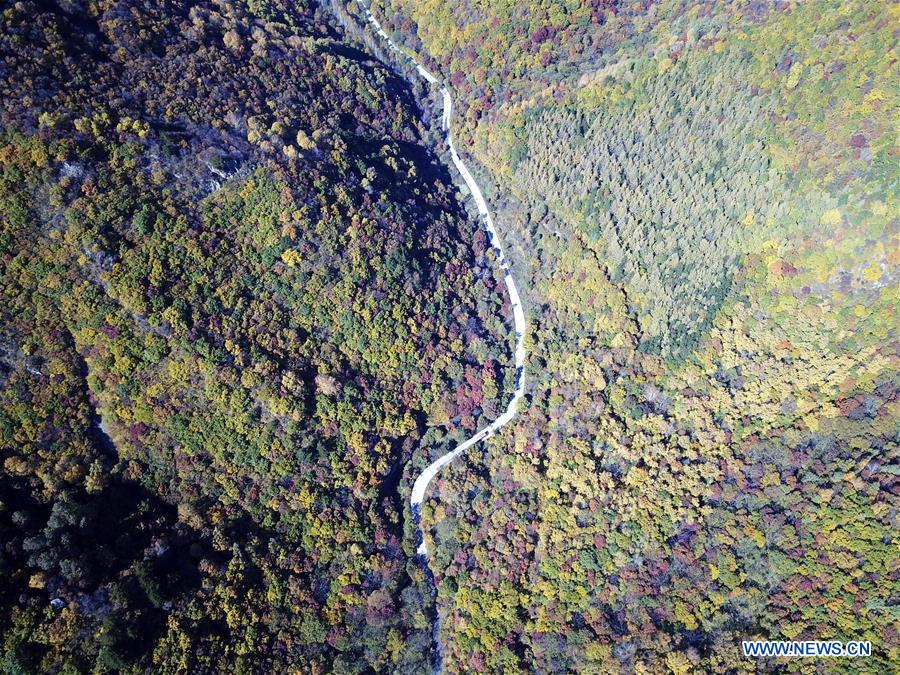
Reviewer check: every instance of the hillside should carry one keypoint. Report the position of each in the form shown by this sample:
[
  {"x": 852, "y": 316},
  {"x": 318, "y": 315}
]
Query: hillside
[
  {"x": 702, "y": 203},
  {"x": 466, "y": 336},
  {"x": 241, "y": 303}
]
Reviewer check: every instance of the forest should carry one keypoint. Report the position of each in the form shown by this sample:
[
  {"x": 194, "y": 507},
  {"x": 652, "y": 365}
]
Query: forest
[
  {"x": 702, "y": 203},
  {"x": 245, "y": 300},
  {"x": 242, "y": 302}
]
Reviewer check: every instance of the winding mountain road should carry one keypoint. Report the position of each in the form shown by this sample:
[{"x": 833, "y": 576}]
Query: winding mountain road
[{"x": 421, "y": 484}]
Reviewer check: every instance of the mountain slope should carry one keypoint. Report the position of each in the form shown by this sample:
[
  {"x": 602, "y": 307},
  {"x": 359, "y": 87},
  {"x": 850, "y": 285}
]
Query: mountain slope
[
  {"x": 704, "y": 202},
  {"x": 239, "y": 294}
]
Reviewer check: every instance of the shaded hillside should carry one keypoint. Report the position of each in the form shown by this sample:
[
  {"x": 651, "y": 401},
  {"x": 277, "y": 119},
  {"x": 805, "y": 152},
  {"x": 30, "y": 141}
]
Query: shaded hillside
[{"x": 237, "y": 295}]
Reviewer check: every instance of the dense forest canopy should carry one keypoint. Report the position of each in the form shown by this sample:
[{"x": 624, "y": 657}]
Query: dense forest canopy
[
  {"x": 241, "y": 303},
  {"x": 702, "y": 198}
]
